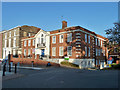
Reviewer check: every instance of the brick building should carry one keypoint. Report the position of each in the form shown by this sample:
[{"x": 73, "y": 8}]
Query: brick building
[
  {"x": 83, "y": 47},
  {"x": 79, "y": 44},
  {"x": 28, "y": 46},
  {"x": 38, "y": 44},
  {"x": 12, "y": 39}
]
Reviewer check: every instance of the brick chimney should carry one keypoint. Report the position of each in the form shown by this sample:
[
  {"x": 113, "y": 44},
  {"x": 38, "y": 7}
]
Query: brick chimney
[{"x": 64, "y": 24}]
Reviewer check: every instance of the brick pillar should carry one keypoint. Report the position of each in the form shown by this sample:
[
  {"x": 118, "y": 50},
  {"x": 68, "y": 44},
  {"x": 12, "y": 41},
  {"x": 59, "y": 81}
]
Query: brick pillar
[
  {"x": 37, "y": 56},
  {"x": 19, "y": 56},
  {"x": 22, "y": 56},
  {"x": 33, "y": 56}
]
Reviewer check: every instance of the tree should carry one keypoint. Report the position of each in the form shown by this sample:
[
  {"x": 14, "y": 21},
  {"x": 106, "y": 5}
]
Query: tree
[{"x": 113, "y": 36}]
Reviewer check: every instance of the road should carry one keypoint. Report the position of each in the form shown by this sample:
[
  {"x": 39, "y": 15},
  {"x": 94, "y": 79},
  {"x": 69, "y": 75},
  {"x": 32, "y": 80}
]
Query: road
[{"x": 64, "y": 78}]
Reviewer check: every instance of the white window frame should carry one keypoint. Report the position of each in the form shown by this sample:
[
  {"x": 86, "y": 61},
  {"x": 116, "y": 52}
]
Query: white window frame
[
  {"x": 53, "y": 51},
  {"x": 85, "y": 51},
  {"x": 69, "y": 37},
  {"x": 25, "y": 43},
  {"x": 53, "y": 39},
  {"x": 29, "y": 42},
  {"x": 61, "y": 39},
  {"x": 86, "y": 38},
  {"x": 61, "y": 51},
  {"x": 68, "y": 53}
]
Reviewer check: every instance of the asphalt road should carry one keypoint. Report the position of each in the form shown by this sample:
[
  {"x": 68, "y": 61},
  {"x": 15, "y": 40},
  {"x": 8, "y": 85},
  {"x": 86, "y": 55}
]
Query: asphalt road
[{"x": 64, "y": 78}]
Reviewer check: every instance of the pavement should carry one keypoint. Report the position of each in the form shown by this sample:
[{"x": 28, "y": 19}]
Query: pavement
[{"x": 60, "y": 77}]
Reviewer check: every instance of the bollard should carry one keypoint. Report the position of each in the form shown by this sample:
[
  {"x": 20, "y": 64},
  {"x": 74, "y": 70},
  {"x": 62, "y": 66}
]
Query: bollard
[
  {"x": 9, "y": 67},
  {"x": 15, "y": 68},
  {"x": 4, "y": 69}
]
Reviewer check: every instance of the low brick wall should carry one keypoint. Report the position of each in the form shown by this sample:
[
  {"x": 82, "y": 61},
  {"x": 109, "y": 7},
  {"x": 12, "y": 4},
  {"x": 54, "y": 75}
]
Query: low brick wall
[{"x": 28, "y": 61}]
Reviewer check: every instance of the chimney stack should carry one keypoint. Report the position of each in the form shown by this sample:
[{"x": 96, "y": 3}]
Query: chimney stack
[{"x": 64, "y": 24}]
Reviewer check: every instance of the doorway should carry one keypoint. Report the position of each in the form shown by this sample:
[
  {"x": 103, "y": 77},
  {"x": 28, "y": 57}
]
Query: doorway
[{"x": 42, "y": 52}]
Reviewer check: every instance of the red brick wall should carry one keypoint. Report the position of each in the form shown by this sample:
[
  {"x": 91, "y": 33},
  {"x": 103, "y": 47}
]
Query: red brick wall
[
  {"x": 28, "y": 61},
  {"x": 31, "y": 47}
]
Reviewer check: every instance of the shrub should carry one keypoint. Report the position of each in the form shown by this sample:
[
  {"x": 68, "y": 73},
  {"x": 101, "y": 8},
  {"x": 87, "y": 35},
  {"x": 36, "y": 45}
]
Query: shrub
[{"x": 69, "y": 64}]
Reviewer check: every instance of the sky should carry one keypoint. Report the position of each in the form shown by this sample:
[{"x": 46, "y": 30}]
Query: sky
[{"x": 94, "y": 16}]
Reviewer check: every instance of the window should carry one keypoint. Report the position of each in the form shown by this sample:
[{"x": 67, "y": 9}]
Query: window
[
  {"x": 53, "y": 51},
  {"x": 69, "y": 37},
  {"x": 38, "y": 40},
  {"x": 60, "y": 51},
  {"x": 96, "y": 62},
  {"x": 14, "y": 32},
  {"x": 101, "y": 43},
  {"x": 96, "y": 41},
  {"x": 78, "y": 34},
  {"x": 99, "y": 52},
  {"x": 9, "y": 42},
  {"x": 61, "y": 39},
  {"x": 33, "y": 50},
  {"x": 86, "y": 38},
  {"x": 5, "y": 35},
  {"x": 25, "y": 43},
  {"x": 24, "y": 52},
  {"x": 42, "y": 38},
  {"x": 96, "y": 51},
  {"x": 28, "y": 52},
  {"x": 33, "y": 42},
  {"x": 10, "y": 34},
  {"x": 69, "y": 50},
  {"x": 54, "y": 39},
  {"x": 29, "y": 42},
  {"x": 14, "y": 52},
  {"x": 89, "y": 51},
  {"x": 103, "y": 52},
  {"x": 89, "y": 38},
  {"x": 14, "y": 42},
  {"x": 5, "y": 43},
  {"x": 29, "y": 34},
  {"x": 85, "y": 51}
]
